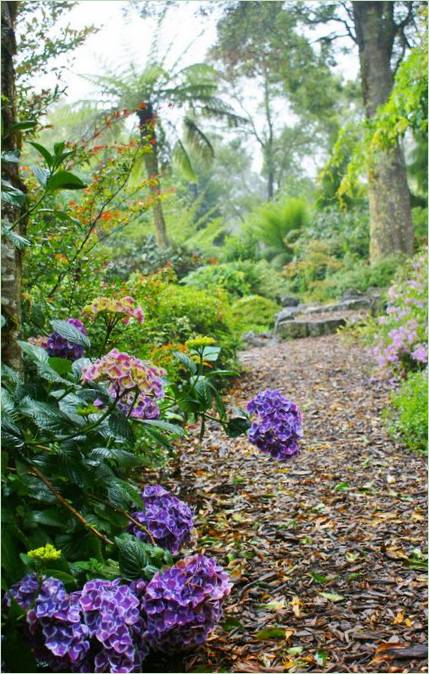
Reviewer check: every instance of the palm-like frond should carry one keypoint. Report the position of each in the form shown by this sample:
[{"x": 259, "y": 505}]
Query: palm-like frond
[
  {"x": 183, "y": 161},
  {"x": 197, "y": 139}
]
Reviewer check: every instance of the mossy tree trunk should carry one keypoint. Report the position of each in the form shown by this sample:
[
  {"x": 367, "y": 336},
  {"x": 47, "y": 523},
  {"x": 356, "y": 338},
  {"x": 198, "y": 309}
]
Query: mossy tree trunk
[
  {"x": 391, "y": 229},
  {"x": 10, "y": 254}
]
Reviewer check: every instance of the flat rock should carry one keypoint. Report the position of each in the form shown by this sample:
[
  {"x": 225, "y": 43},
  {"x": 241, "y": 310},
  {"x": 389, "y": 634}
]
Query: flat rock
[
  {"x": 289, "y": 301},
  {"x": 300, "y": 329},
  {"x": 257, "y": 339}
]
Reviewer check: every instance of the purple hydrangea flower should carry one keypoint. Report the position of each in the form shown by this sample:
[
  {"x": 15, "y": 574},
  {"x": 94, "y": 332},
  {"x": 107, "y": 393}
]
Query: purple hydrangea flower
[
  {"x": 167, "y": 518},
  {"x": 278, "y": 427},
  {"x": 183, "y": 604},
  {"x": 61, "y": 347},
  {"x": 98, "y": 629},
  {"x": 24, "y": 592}
]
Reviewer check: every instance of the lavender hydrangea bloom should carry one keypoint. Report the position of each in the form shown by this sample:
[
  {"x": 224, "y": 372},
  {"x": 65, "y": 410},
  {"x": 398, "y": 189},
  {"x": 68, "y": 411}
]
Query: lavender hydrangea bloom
[
  {"x": 98, "y": 629},
  {"x": 61, "y": 347},
  {"x": 167, "y": 518},
  {"x": 183, "y": 603},
  {"x": 278, "y": 427}
]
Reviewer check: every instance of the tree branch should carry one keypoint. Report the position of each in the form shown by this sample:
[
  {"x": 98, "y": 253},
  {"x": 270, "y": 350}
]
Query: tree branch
[{"x": 37, "y": 473}]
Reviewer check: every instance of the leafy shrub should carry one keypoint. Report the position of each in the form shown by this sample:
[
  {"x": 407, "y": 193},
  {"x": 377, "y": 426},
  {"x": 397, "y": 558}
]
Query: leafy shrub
[
  {"x": 174, "y": 314},
  {"x": 317, "y": 262},
  {"x": 230, "y": 277},
  {"x": 254, "y": 313},
  {"x": 359, "y": 276},
  {"x": 347, "y": 231},
  {"x": 268, "y": 281},
  {"x": 244, "y": 246},
  {"x": 420, "y": 222},
  {"x": 240, "y": 278},
  {"x": 147, "y": 258},
  {"x": 409, "y": 418}
]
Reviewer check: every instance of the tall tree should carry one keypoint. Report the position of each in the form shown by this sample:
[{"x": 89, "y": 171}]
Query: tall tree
[
  {"x": 191, "y": 90},
  {"x": 13, "y": 193},
  {"x": 259, "y": 45},
  {"x": 389, "y": 196},
  {"x": 383, "y": 32}
]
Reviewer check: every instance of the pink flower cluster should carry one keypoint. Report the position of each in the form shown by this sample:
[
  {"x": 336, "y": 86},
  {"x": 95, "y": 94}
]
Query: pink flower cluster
[
  {"x": 127, "y": 305},
  {"x": 135, "y": 384},
  {"x": 402, "y": 340}
]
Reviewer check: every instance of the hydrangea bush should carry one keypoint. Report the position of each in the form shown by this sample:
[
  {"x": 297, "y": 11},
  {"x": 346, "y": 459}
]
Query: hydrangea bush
[
  {"x": 401, "y": 334},
  {"x": 100, "y": 589},
  {"x": 110, "y": 626},
  {"x": 278, "y": 426}
]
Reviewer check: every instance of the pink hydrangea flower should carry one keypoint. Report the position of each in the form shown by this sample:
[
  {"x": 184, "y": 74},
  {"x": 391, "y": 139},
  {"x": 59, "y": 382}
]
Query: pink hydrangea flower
[
  {"x": 137, "y": 384},
  {"x": 126, "y": 305}
]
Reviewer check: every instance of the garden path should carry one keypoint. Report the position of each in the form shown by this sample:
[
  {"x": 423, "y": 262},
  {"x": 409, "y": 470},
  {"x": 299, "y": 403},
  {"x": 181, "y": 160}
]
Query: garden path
[{"x": 326, "y": 552}]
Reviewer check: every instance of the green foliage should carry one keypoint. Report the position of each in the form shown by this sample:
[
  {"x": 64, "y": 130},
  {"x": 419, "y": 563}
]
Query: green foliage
[
  {"x": 240, "y": 278},
  {"x": 409, "y": 417},
  {"x": 197, "y": 392},
  {"x": 243, "y": 246},
  {"x": 60, "y": 451},
  {"x": 173, "y": 314},
  {"x": 420, "y": 222},
  {"x": 357, "y": 276},
  {"x": 227, "y": 276},
  {"x": 316, "y": 263},
  {"x": 147, "y": 257},
  {"x": 277, "y": 224},
  {"x": 346, "y": 231},
  {"x": 254, "y": 313}
]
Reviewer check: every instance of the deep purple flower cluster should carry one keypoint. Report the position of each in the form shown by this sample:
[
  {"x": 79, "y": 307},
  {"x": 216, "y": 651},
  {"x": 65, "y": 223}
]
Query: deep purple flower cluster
[
  {"x": 183, "y": 604},
  {"x": 279, "y": 425},
  {"x": 167, "y": 518},
  {"x": 61, "y": 347},
  {"x": 98, "y": 629}
]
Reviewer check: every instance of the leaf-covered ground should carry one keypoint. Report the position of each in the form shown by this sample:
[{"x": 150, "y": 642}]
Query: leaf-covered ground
[{"x": 327, "y": 552}]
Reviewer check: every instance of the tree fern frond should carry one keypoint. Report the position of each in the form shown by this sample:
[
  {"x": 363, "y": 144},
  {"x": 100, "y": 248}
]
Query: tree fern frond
[
  {"x": 183, "y": 161},
  {"x": 197, "y": 139}
]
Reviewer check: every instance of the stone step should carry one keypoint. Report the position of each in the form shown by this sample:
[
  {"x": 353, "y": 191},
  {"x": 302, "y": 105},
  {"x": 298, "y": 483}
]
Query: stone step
[{"x": 315, "y": 328}]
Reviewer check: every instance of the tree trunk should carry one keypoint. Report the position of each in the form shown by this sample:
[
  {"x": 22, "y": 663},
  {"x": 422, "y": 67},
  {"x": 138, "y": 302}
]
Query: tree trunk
[
  {"x": 10, "y": 255},
  {"x": 152, "y": 170},
  {"x": 268, "y": 148},
  {"x": 147, "y": 123},
  {"x": 391, "y": 229}
]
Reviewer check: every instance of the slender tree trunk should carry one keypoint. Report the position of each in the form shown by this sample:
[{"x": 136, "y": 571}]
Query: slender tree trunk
[
  {"x": 391, "y": 229},
  {"x": 10, "y": 255},
  {"x": 148, "y": 135},
  {"x": 268, "y": 149}
]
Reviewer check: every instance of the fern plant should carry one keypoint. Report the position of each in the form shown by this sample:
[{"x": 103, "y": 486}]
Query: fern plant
[{"x": 277, "y": 224}]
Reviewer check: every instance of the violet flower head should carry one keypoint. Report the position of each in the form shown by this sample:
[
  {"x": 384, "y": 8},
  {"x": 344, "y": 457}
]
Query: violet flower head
[
  {"x": 168, "y": 519},
  {"x": 98, "y": 629},
  {"x": 60, "y": 347},
  {"x": 184, "y": 603},
  {"x": 278, "y": 426}
]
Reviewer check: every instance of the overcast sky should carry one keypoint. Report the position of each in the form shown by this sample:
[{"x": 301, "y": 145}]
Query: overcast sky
[{"x": 123, "y": 39}]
